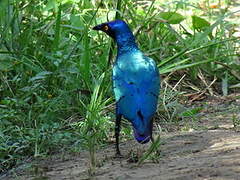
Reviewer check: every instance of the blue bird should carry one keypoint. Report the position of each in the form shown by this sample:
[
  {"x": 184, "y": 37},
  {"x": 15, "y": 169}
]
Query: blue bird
[{"x": 136, "y": 83}]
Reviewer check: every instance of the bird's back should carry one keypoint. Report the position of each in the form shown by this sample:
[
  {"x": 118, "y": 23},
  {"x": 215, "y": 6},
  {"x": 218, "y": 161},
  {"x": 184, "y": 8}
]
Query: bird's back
[{"x": 136, "y": 86}]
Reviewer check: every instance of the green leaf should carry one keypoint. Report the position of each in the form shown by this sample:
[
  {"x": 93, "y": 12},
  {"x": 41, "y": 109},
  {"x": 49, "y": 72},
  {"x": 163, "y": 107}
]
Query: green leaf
[
  {"x": 86, "y": 60},
  {"x": 76, "y": 21},
  {"x": 41, "y": 75},
  {"x": 184, "y": 66},
  {"x": 3, "y": 8},
  {"x": 172, "y": 17},
  {"x": 5, "y": 65},
  {"x": 57, "y": 28},
  {"x": 5, "y": 101},
  {"x": 199, "y": 23},
  {"x": 191, "y": 112},
  {"x": 51, "y": 4}
]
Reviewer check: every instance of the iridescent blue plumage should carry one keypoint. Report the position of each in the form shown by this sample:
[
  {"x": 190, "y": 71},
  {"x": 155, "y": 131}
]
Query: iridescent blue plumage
[{"x": 136, "y": 82}]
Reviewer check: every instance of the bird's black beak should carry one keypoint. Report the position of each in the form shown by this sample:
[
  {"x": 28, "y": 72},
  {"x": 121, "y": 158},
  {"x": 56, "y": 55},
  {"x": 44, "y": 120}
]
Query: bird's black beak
[
  {"x": 105, "y": 28},
  {"x": 98, "y": 27}
]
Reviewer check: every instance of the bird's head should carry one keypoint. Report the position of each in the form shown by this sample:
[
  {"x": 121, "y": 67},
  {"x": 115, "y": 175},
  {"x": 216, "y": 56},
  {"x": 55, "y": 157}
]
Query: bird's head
[{"x": 114, "y": 28}]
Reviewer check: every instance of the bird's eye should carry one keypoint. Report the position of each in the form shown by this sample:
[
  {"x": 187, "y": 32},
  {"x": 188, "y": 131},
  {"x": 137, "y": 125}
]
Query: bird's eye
[{"x": 105, "y": 28}]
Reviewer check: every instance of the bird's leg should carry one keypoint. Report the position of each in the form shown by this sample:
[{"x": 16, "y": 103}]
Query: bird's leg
[{"x": 117, "y": 131}]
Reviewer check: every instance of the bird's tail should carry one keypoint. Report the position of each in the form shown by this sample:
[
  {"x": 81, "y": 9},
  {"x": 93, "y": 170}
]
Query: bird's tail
[{"x": 142, "y": 128}]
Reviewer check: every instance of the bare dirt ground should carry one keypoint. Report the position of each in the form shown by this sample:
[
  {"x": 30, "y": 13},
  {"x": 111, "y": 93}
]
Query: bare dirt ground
[{"x": 211, "y": 151}]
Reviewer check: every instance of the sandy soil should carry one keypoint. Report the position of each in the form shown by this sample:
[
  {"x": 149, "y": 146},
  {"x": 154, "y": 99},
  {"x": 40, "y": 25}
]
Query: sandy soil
[{"x": 212, "y": 153}]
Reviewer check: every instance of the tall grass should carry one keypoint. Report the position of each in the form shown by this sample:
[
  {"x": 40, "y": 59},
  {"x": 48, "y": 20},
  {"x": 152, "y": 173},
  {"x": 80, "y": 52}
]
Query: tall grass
[{"x": 53, "y": 66}]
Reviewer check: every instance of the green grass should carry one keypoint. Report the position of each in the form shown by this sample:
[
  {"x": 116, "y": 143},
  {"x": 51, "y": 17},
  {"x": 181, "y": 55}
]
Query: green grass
[{"x": 54, "y": 67}]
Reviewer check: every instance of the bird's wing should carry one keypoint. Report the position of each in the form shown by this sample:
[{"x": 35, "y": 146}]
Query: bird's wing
[{"x": 136, "y": 87}]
